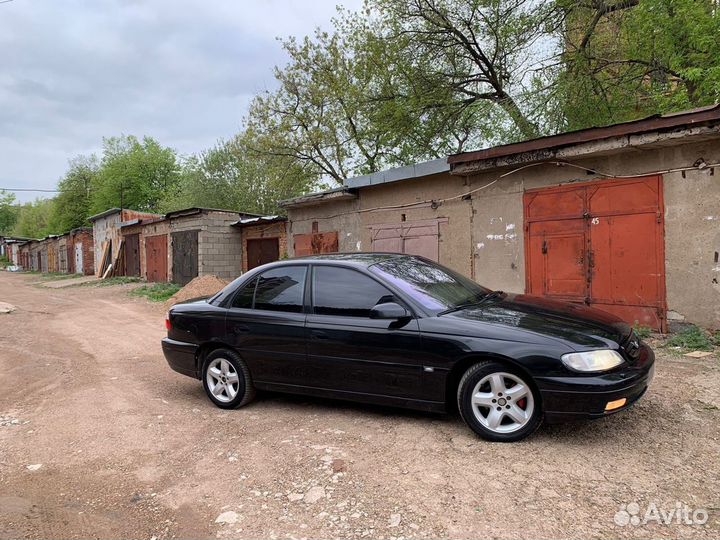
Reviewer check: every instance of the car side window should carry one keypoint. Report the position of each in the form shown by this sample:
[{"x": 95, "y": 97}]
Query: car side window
[
  {"x": 244, "y": 297},
  {"x": 344, "y": 292},
  {"x": 281, "y": 289}
]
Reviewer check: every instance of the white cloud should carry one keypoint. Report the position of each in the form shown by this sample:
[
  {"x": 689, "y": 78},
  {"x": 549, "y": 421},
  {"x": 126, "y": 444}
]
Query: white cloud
[{"x": 182, "y": 71}]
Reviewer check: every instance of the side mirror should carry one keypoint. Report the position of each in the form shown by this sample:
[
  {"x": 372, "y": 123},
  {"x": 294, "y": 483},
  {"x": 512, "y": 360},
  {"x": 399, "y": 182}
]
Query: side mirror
[{"x": 389, "y": 310}]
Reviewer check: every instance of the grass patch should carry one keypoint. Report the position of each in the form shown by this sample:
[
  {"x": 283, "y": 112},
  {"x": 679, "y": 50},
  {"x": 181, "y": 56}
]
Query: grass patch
[
  {"x": 643, "y": 332},
  {"x": 117, "y": 280},
  {"x": 55, "y": 276},
  {"x": 157, "y": 292},
  {"x": 692, "y": 338}
]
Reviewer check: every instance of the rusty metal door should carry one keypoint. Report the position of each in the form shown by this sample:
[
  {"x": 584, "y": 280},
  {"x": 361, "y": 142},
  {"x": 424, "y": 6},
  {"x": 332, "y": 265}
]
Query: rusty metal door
[
  {"x": 262, "y": 251},
  {"x": 185, "y": 256},
  {"x": 156, "y": 255},
  {"x": 132, "y": 255},
  {"x": 315, "y": 243},
  {"x": 70, "y": 248},
  {"x": 601, "y": 243}
]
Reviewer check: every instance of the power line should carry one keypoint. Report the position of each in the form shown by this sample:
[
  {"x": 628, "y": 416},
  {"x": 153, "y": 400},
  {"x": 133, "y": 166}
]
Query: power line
[{"x": 27, "y": 189}]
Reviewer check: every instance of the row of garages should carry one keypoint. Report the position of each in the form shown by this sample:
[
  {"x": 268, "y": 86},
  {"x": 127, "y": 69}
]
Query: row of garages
[
  {"x": 177, "y": 246},
  {"x": 70, "y": 253},
  {"x": 625, "y": 218}
]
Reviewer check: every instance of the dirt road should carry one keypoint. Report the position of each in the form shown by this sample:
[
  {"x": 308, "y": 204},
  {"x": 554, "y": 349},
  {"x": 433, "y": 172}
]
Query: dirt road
[{"x": 98, "y": 438}]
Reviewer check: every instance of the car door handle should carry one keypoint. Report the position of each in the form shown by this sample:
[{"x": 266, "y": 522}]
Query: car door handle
[
  {"x": 319, "y": 334},
  {"x": 241, "y": 329}
]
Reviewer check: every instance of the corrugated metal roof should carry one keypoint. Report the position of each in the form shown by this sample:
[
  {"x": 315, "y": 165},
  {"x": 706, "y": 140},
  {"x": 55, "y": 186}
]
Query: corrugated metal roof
[
  {"x": 199, "y": 210},
  {"x": 407, "y": 172},
  {"x": 106, "y": 213},
  {"x": 258, "y": 220},
  {"x": 318, "y": 197}
]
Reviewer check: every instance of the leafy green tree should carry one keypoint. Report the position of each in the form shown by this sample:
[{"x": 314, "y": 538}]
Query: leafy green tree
[
  {"x": 403, "y": 81},
  {"x": 626, "y": 59},
  {"x": 72, "y": 204},
  {"x": 133, "y": 174},
  {"x": 234, "y": 176},
  {"x": 33, "y": 219},
  {"x": 8, "y": 212}
]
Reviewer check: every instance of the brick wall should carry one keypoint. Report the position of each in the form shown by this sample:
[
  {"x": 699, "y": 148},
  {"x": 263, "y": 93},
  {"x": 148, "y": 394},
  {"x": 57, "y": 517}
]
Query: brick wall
[{"x": 83, "y": 238}]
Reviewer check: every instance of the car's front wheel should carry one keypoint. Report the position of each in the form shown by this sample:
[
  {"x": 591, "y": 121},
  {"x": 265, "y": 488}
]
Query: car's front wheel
[
  {"x": 498, "y": 403},
  {"x": 227, "y": 379}
]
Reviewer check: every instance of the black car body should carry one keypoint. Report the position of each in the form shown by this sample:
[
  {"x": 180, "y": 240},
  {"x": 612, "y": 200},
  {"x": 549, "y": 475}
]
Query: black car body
[{"x": 355, "y": 328}]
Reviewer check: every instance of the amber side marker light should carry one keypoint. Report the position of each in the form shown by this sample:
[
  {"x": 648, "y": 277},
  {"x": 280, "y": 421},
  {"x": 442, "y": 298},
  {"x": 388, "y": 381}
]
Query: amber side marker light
[{"x": 612, "y": 405}]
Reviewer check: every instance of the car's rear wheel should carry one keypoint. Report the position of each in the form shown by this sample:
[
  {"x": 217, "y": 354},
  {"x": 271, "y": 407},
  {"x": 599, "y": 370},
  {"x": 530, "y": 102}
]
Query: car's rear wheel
[
  {"x": 498, "y": 403},
  {"x": 227, "y": 380}
]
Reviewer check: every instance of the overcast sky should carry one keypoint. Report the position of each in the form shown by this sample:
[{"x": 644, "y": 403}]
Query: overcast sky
[{"x": 182, "y": 71}]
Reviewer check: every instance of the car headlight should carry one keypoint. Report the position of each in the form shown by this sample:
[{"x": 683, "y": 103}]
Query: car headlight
[{"x": 601, "y": 360}]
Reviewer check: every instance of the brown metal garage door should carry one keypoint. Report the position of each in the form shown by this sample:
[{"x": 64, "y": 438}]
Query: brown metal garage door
[
  {"x": 601, "y": 243},
  {"x": 262, "y": 251},
  {"x": 156, "y": 254},
  {"x": 185, "y": 256},
  {"x": 132, "y": 255},
  {"x": 411, "y": 237}
]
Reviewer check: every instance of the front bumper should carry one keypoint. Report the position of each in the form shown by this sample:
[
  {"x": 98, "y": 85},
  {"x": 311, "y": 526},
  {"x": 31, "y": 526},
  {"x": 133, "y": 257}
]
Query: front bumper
[
  {"x": 181, "y": 357},
  {"x": 585, "y": 397}
]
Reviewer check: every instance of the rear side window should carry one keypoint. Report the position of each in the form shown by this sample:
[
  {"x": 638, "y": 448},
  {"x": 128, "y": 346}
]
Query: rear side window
[
  {"x": 281, "y": 289},
  {"x": 339, "y": 291}
]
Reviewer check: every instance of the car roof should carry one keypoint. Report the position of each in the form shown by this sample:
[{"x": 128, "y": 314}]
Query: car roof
[{"x": 358, "y": 258}]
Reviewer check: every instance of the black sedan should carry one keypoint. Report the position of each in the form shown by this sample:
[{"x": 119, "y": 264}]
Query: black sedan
[{"x": 400, "y": 330}]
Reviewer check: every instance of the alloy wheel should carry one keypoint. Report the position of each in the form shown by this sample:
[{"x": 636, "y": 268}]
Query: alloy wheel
[
  {"x": 502, "y": 402},
  {"x": 222, "y": 380}
]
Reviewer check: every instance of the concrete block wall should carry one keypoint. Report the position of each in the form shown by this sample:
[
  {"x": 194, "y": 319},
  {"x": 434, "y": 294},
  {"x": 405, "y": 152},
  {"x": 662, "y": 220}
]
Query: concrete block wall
[
  {"x": 220, "y": 247},
  {"x": 219, "y": 244}
]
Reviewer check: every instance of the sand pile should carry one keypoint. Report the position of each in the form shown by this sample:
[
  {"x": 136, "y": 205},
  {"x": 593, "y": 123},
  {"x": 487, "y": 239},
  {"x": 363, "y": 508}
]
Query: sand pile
[{"x": 199, "y": 287}]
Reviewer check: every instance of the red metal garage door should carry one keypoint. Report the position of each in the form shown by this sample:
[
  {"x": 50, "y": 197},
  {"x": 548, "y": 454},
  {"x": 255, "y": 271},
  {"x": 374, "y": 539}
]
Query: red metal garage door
[
  {"x": 601, "y": 243},
  {"x": 156, "y": 257}
]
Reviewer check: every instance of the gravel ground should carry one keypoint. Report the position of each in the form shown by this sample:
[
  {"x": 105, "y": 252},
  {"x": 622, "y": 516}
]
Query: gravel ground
[{"x": 98, "y": 438}]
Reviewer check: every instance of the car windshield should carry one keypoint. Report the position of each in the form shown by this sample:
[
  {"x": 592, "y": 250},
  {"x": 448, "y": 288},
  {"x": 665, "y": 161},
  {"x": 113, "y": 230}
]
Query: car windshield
[{"x": 434, "y": 287}]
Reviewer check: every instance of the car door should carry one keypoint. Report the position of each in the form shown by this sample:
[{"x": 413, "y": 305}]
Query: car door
[
  {"x": 349, "y": 351},
  {"x": 266, "y": 324}
]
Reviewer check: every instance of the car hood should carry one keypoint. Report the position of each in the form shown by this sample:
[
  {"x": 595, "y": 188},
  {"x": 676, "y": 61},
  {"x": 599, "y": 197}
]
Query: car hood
[{"x": 577, "y": 325}]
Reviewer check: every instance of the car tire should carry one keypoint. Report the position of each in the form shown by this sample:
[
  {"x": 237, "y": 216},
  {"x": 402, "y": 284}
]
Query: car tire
[
  {"x": 498, "y": 403},
  {"x": 226, "y": 379}
]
